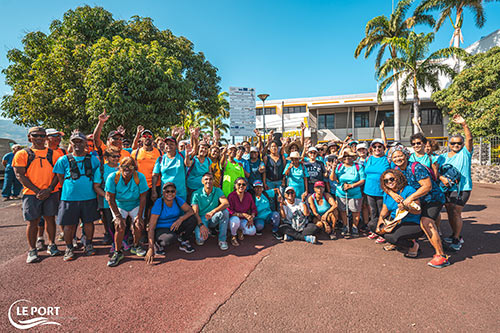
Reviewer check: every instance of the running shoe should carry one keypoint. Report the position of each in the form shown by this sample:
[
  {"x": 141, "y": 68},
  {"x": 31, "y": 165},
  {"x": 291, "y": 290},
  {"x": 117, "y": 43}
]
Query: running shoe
[
  {"x": 40, "y": 244},
  {"x": 32, "y": 256},
  {"x": 138, "y": 251},
  {"x": 439, "y": 261},
  {"x": 451, "y": 239},
  {"x": 89, "y": 250},
  {"x": 333, "y": 235},
  {"x": 186, "y": 247},
  {"x": 52, "y": 250},
  {"x": 115, "y": 259},
  {"x": 287, "y": 238},
  {"x": 372, "y": 235},
  {"x": 277, "y": 235},
  {"x": 346, "y": 232},
  {"x": 310, "y": 239},
  {"x": 69, "y": 254},
  {"x": 159, "y": 249},
  {"x": 354, "y": 232},
  {"x": 380, "y": 240},
  {"x": 199, "y": 242},
  {"x": 223, "y": 245},
  {"x": 456, "y": 245}
]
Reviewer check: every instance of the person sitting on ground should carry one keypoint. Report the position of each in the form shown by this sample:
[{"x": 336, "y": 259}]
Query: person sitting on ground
[
  {"x": 126, "y": 191},
  {"x": 296, "y": 175},
  {"x": 210, "y": 208},
  {"x": 78, "y": 198},
  {"x": 324, "y": 209},
  {"x": 11, "y": 185},
  {"x": 171, "y": 219},
  {"x": 295, "y": 219},
  {"x": 34, "y": 169},
  {"x": 406, "y": 233},
  {"x": 242, "y": 211},
  {"x": 264, "y": 201}
]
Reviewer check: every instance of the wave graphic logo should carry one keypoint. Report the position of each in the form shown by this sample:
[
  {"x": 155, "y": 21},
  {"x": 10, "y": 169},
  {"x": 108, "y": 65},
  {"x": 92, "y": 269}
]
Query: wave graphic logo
[{"x": 31, "y": 311}]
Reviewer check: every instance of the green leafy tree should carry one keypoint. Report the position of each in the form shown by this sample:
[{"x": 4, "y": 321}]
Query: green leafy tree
[
  {"x": 415, "y": 69},
  {"x": 89, "y": 61},
  {"x": 380, "y": 29},
  {"x": 475, "y": 94}
]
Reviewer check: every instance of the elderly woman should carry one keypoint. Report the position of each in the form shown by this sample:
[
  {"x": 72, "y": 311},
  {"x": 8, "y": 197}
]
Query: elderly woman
[
  {"x": 242, "y": 211},
  {"x": 431, "y": 199},
  {"x": 295, "y": 216},
  {"x": 323, "y": 209},
  {"x": 296, "y": 175},
  {"x": 171, "y": 219},
  {"x": 264, "y": 201},
  {"x": 350, "y": 177},
  {"x": 404, "y": 235}
]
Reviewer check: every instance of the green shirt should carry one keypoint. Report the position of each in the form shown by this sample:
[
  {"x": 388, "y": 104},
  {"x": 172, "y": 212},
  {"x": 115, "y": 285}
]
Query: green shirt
[
  {"x": 206, "y": 202},
  {"x": 231, "y": 173}
]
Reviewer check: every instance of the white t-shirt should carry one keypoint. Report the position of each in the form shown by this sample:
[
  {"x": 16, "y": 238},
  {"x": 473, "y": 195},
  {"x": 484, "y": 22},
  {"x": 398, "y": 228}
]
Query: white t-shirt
[{"x": 289, "y": 209}]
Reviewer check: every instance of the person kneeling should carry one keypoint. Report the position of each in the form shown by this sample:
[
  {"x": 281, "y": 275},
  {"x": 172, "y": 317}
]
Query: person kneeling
[
  {"x": 171, "y": 218},
  {"x": 295, "y": 216},
  {"x": 324, "y": 209}
]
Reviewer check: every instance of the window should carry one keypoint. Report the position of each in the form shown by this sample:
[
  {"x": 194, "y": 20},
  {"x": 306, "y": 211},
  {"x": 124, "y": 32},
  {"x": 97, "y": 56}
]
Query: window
[
  {"x": 431, "y": 117},
  {"x": 361, "y": 119},
  {"x": 387, "y": 117},
  {"x": 326, "y": 121},
  {"x": 272, "y": 110},
  {"x": 294, "y": 109}
]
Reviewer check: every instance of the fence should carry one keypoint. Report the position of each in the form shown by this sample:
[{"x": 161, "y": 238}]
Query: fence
[{"x": 486, "y": 151}]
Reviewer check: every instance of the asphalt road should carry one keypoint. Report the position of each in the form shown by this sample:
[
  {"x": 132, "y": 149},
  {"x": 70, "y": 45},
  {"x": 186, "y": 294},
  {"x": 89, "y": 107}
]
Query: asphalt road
[{"x": 264, "y": 285}]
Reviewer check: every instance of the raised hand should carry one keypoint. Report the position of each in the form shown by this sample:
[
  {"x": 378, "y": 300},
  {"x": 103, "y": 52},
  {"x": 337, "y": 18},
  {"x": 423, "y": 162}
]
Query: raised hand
[
  {"x": 103, "y": 117},
  {"x": 382, "y": 125},
  {"x": 458, "y": 119},
  {"x": 140, "y": 128},
  {"x": 302, "y": 126},
  {"x": 256, "y": 131},
  {"x": 121, "y": 129}
]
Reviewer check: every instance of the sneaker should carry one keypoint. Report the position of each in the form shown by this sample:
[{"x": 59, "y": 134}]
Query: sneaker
[
  {"x": 40, "y": 244},
  {"x": 287, "y": 238},
  {"x": 199, "y": 242},
  {"x": 159, "y": 249},
  {"x": 76, "y": 245},
  {"x": 32, "y": 256},
  {"x": 52, "y": 250},
  {"x": 310, "y": 239},
  {"x": 277, "y": 236},
  {"x": 258, "y": 233},
  {"x": 354, "y": 232},
  {"x": 115, "y": 259},
  {"x": 89, "y": 250},
  {"x": 125, "y": 245},
  {"x": 333, "y": 235},
  {"x": 372, "y": 235},
  {"x": 439, "y": 261},
  {"x": 380, "y": 240},
  {"x": 223, "y": 245},
  {"x": 456, "y": 245},
  {"x": 346, "y": 232},
  {"x": 138, "y": 251},
  {"x": 60, "y": 237},
  {"x": 186, "y": 247},
  {"x": 69, "y": 254},
  {"x": 107, "y": 239},
  {"x": 451, "y": 239}
]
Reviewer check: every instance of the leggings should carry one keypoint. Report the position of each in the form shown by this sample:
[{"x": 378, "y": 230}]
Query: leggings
[
  {"x": 164, "y": 236},
  {"x": 310, "y": 229},
  {"x": 236, "y": 223},
  {"x": 403, "y": 234},
  {"x": 375, "y": 204}
]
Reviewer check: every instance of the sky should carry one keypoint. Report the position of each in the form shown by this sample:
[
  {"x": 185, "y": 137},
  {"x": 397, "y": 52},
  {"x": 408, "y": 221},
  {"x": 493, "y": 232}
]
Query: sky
[{"x": 288, "y": 49}]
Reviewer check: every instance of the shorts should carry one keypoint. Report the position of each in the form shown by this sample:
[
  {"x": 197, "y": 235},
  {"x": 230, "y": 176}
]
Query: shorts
[
  {"x": 457, "y": 198},
  {"x": 354, "y": 205},
  {"x": 124, "y": 213},
  {"x": 71, "y": 212},
  {"x": 34, "y": 208},
  {"x": 431, "y": 209}
]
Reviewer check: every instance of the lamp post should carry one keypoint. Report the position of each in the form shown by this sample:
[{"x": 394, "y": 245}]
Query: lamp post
[{"x": 263, "y": 98}]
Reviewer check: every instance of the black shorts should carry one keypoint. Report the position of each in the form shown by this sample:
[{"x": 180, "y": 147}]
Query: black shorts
[
  {"x": 431, "y": 209},
  {"x": 34, "y": 208},
  {"x": 456, "y": 198},
  {"x": 149, "y": 201},
  {"x": 71, "y": 212}
]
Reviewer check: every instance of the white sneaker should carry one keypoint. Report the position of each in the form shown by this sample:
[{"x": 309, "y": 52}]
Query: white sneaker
[{"x": 223, "y": 246}]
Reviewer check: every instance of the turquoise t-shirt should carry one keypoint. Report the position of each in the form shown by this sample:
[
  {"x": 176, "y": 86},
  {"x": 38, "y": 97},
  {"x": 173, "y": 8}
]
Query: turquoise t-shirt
[
  {"x": 98, "y": 179},
  {"x": 295, "y": 178},
  {"x": 374, "y": 168},
  {"x": 392, "y": 205},
  {"x": 172, "y": 170},
  {"x": 127, "y": 195},
  {"x": 82, "y": 188},
  {"x": 206, "y": 202},
  {"x": 462, "y": 161},
  {"x": 263, "y": 205},
  {"x": 198, "y": 169},
  {"x": 349, "y": 175},
  {"x": 425, "y": 160}
]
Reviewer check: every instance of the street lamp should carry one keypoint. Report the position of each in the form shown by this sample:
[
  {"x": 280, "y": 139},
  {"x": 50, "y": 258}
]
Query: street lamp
[{"x": 263, "y": 98}]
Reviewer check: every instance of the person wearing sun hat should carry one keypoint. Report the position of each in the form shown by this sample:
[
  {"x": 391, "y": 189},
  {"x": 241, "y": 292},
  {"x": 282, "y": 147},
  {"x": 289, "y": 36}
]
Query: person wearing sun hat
[{"x": 296, "y": 175}]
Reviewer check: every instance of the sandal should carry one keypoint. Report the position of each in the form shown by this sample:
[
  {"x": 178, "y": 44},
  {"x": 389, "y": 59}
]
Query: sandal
[
  {"x": 414, "y": 254},
  {"x": 234, "y": 241},
  {"x": 390, "y": 247}
]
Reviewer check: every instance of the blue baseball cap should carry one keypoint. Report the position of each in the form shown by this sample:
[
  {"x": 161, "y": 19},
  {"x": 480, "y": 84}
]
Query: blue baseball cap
[{"x": 257, "y": 183}]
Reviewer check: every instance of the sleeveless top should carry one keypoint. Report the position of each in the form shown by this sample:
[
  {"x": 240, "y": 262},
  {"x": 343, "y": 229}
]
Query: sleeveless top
[
  {"x": 324, "y": 207},
  {"x": 274, "y": 169}
]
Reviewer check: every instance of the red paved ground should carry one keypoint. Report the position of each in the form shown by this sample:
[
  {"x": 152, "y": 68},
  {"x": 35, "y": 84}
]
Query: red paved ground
[{"x": 344, "y": 285}]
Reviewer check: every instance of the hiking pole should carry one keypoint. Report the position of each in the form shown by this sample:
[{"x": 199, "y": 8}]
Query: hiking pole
[{"x": 347, "y": 214}]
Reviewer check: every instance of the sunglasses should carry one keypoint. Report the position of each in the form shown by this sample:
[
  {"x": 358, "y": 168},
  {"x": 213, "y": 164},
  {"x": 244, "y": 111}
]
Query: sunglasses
[
  {"x": 130, "y": 168},
  {"x": 148, "y": 136},
  {"x": 115, "y": 156},
  {"x": 417, "y": 143},
  {"x": 169, "y": 191},
  {"x": 378, "y": 147},
  {"x": 389, "y": 180},
  {"x": 241, "y": 184},
  {"x": 456, "y": 143},
  {"x": 117, "y": 138},
  {"x": 38, "y": 135},
  {"x": 289, "y": 192}
]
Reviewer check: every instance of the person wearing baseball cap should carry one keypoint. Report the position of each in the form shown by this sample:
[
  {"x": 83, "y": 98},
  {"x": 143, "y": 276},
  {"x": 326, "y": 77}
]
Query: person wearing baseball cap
[
  {"x": 315, "y": 168},
  {"x": 257, "y": 167},
  {"x": 115, "y": 137},
  {"x": 296, "y": 175},
  {"x": 323, "y": 209},
  {"x": 264, "y": 201}
]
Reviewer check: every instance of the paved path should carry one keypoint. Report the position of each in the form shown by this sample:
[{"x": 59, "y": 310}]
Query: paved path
[{"x": 344, "y": 285}]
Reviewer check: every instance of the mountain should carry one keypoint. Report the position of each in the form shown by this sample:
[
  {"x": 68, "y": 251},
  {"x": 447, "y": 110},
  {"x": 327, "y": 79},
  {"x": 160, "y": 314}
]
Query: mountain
[{"x": 15, "y": 132}]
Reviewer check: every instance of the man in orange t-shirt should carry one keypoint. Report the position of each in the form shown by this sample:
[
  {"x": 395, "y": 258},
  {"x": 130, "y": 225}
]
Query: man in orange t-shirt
[
  {"x": 34, "y": 169},
  {"x": 145, "y": 158}
]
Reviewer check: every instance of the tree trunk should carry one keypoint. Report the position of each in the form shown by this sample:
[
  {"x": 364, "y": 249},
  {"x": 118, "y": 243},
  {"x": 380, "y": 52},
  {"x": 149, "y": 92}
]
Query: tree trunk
[
  {"x": 416, "y": 113},
  {"x": 397, "y": 136}
]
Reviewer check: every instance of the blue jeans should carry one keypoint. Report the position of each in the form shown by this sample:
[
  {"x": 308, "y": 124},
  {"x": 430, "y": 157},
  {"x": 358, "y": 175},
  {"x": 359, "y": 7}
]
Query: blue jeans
[
  {"x": 11, "y": 186},
  {"x": 220, "y": 219},
  {"x": 273, "y": 218}
]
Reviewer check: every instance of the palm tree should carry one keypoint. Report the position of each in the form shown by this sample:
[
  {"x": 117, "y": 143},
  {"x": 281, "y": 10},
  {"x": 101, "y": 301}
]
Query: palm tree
[
  {"x": 223, "y": 104},
  {"x": 415, "y": 70},
  {"x": 396, "y": 26},
  {"x": 211, "y": 123},
  {"x": 447, "y": 7}
]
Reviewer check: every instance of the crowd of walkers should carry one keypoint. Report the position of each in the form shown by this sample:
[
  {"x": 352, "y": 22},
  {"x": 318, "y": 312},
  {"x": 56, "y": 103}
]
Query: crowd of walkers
[{"x": 153, "y": 192}]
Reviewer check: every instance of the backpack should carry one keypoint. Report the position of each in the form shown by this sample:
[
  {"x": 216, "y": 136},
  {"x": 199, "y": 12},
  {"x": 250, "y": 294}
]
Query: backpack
[
  {"x": 341, "y": 164},
  {"x": 32, "y": 156},
  {"x": 431, "y": 172},
  {"x": 135, "y": 176},
  {"x": 74, "y": 171},
  {"x": 163, "y": 203},
  {"x": 452, "y": 174}
]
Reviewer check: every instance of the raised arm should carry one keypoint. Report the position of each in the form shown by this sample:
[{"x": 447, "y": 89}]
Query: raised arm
[
  {"x": 469, "y": 144},
  {"x": 103, "y": 117},
  {"x": 135, "y": 144},
  {"x": 382, "y": 132}
]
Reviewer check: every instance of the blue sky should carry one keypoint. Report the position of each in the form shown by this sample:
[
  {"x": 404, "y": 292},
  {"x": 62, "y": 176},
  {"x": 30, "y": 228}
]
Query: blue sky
[{"x": 285, "y": 48}]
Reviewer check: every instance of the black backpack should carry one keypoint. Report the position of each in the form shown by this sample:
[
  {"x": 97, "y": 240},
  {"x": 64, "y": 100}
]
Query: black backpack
[
  {"x": 75, "y": 171},
  {"x": 32, "y": 156}
]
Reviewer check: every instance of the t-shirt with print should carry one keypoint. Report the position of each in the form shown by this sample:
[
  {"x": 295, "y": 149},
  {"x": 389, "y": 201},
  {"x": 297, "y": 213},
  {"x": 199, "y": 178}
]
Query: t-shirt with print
[
  {"x": 316, "y": 171},
  {"x": 40, "y": 172},
  {"x": 167, "y": 215},
  {"x": 289, "y": 209},
  {"x": 76, "y": 189},
  {"x": 127, "y": 196},
  {"x": 146, "y": 162}
]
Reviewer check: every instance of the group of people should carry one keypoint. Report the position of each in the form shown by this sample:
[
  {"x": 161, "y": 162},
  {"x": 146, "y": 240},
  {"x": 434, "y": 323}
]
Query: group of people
[{"x": 157, "y": 192}]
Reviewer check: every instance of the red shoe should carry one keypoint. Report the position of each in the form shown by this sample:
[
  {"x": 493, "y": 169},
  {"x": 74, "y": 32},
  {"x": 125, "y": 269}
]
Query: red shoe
[
  {"x": 380, "y": 240},
  {"x": 371, "y": 235},
  {"x": 439, "y": 261}
]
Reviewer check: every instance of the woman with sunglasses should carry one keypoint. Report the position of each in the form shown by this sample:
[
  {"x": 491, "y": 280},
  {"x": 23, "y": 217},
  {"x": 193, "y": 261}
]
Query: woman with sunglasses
[
  {"x": 242, "y": 212},
  {"x": 171, "y": 219},
  {"x": 295, "y": 216},
  {"x": 430, "y": 196},
  {"x": 324, "y": 209},
  {"x": 418, "y": 142},
  {"x": 460, "y": 157},
  {"x": 404, "y": 235}
]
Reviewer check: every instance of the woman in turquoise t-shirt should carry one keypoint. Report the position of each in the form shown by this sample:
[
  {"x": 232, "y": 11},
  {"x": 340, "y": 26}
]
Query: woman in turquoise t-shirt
[
  {"x": 265, "y": 213},
  {"x": 296, "y": 175}
]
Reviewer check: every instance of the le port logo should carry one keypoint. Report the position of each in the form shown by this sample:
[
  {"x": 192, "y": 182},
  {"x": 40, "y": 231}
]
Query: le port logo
[{"x": 24, "y": 315}]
